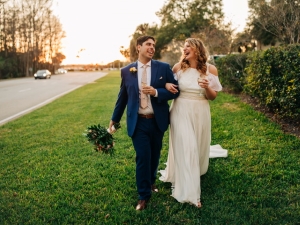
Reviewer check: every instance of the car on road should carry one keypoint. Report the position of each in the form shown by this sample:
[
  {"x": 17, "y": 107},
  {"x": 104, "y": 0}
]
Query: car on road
[
  {"x": 42, "y": 74},
  {"x": 61, "y": 71}
]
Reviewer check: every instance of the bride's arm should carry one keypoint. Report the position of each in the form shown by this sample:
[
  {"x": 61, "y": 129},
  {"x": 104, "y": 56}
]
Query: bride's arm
[
  {"x": 172, "y": 87},
  {"x": 211, "y": 94}
]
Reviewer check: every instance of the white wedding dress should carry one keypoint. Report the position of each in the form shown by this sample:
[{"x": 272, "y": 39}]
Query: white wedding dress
[{"x": 190, "y": 137}]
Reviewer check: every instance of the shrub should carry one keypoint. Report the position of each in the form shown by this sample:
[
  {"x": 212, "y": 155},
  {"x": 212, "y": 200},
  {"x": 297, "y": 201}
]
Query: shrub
[
  {"x": 231, "y": 71},
  {"x": 273, "y": 77}
]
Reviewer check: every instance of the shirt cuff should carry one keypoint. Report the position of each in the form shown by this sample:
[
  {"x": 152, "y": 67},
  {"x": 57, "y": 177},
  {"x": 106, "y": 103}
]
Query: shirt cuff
[{"x": 156, "y": 95}]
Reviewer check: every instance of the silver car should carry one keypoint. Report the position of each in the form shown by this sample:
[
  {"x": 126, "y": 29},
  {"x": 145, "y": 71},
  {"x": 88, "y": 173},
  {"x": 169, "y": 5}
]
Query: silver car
[
  {"x": 61, "y": 71},
  {"x": 42, "y": 74}
]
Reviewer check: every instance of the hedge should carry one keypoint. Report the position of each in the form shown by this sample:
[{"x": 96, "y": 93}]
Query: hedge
[{"x": 272, "y": 76}]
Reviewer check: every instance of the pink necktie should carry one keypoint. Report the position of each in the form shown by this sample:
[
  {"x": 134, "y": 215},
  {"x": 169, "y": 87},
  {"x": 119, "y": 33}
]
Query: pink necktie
[{"x": 144, "y": 98}]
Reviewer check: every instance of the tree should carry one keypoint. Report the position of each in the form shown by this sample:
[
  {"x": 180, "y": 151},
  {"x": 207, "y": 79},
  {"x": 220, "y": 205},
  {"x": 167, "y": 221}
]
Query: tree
[
  {"x": 262, "y": 35},
  {"x": 125, "y": 52},
  {"x": 172, "y": 53},
  {"x": 243, "y": 42},
  {"x": 217, "y": 40},
  {"x": 30, "y": 36},
  {"x": 275, "y": 20},
  {"x": 57, "y": 60},
  {"x": 179, "y": 20}
]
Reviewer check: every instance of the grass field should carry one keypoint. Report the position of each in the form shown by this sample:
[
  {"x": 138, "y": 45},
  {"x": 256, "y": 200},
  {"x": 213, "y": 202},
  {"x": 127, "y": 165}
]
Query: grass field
[{"x": 50, "y": 174}]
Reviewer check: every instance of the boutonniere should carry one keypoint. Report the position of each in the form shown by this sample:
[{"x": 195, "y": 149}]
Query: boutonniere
[{"x": 133, "y": 70}]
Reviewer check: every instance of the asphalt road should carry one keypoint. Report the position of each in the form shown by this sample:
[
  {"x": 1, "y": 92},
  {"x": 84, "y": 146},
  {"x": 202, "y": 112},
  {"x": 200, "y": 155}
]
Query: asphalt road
[{"x": 23, "y": 95}]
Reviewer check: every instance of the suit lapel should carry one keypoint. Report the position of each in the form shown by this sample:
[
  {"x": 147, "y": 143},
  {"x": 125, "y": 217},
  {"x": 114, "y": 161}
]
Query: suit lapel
[
  {"x": 136, "y": 80},
  {"x": 154, "y": 72}
]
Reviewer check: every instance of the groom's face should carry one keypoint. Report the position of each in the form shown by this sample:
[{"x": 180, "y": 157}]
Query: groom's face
[{"x": 147, "y": 49}]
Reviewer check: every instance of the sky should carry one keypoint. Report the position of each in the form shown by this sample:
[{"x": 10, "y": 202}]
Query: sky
[{"x": 96, "y": 29}]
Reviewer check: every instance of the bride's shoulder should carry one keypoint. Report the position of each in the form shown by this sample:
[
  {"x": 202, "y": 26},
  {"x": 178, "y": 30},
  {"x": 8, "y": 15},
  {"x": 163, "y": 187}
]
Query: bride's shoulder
[
  {"x": 176, "y": 67},
  {"x": 212, "y": 69}
]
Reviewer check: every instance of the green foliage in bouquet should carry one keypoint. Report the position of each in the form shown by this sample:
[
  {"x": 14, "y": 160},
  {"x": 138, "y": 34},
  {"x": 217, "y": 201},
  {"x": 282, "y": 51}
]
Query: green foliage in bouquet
[{"x": 102, "y": 140}]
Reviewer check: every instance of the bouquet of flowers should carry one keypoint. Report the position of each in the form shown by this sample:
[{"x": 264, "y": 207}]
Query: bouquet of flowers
[{"x": 102, "y": 138}]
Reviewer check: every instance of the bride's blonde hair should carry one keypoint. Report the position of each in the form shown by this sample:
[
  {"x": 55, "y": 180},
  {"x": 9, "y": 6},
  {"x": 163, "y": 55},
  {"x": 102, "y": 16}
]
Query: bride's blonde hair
[{"x": 201, "y": 55}]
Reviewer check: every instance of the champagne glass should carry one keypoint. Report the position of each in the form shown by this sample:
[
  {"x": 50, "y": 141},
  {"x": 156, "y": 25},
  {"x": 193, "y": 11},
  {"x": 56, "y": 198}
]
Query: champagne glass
[
  {"x": 144, "y": 84},
  {"x": 201, "y": 77}
]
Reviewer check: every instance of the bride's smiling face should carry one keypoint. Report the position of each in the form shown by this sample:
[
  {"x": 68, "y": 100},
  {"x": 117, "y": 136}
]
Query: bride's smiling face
[{"x": 189, "y": 52}]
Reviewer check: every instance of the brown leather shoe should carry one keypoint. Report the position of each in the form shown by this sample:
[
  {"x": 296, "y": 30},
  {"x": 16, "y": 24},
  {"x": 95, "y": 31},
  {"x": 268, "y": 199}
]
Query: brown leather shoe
[
  {"x": 154, "y": 188},
  {"x": 141, "y": 205}
]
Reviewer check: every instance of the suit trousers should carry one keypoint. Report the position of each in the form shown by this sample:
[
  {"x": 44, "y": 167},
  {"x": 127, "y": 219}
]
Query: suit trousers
[{"x": 147, "y": 141}]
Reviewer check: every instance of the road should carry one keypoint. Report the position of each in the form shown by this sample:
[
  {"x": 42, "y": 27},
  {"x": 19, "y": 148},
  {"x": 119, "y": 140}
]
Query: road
[{"x": 23, "y": 95}]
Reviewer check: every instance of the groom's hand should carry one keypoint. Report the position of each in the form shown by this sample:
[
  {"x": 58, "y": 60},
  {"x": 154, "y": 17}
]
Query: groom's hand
[
  {"x": 149, "y": 90},
  {"x": 111, "y": 123}
]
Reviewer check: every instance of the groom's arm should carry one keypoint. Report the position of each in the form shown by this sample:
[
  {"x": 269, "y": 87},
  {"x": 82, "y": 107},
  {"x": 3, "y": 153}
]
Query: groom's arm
[
  {"x": 121, "y": 101},
  {"x": 162, "y": 93}
]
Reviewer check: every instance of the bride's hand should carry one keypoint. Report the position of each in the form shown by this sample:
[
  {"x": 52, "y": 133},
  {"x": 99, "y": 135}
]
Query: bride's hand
[
  {"x": 171, "y": 88},
  {"x": 204, "y": 83}
]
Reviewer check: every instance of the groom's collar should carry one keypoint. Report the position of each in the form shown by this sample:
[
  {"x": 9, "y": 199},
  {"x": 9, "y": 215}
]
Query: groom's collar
[{"x": 139, "y": 64}]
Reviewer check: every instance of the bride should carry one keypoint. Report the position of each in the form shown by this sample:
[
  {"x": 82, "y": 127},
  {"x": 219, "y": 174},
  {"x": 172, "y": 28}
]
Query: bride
[{"x": 190, "y": 123}]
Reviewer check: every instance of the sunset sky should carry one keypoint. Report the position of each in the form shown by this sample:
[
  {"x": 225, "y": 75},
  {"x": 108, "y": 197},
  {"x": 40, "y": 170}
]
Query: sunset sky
[{"x": 96, "y": 29}]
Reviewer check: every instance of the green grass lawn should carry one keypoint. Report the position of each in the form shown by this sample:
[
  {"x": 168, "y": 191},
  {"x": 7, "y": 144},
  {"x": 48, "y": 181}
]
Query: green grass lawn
[{"x": 50, "y": 174}]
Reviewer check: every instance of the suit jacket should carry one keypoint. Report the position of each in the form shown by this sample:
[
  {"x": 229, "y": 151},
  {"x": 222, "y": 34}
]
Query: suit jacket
[{"x": 161, "y": 74}]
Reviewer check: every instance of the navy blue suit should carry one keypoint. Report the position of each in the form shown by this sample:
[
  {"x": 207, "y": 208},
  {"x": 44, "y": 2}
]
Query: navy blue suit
[{"x": 146, "y": 134}]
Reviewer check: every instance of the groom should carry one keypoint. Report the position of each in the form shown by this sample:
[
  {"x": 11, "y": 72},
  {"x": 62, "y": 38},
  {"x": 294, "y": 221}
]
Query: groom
[{"x": 143, "y": 92}]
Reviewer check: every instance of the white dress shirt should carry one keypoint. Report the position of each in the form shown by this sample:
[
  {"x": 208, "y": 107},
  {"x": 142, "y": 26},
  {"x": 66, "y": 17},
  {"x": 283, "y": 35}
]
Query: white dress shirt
[{"x": 148, "y": 109}]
